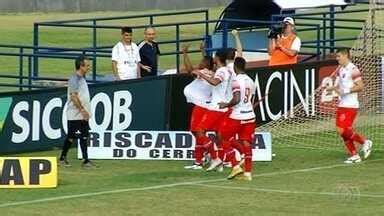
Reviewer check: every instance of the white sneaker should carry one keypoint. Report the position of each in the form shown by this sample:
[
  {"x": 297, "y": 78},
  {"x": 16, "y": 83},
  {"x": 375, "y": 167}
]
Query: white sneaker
[
  {"x": 353, "y": 159},
  {"x": 214, "y": 164},
  {"x": 227, "y": 164},
  {"x": 220, "y": 168},
  {"x": 206, "y": 159},
  {"x": 194, "y": 166},
  {"x": 367, "y": 148}
]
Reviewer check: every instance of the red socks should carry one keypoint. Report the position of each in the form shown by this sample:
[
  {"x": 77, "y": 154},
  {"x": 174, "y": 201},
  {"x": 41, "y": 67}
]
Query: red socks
[
  {"x": 349, "y": 137},
  {"x": 229, "y": 153},
  {"x": 237, "y": 145},
  {"x": 204, "y": 144},
  {"x": 248, "y": 158},
  {"x": 358, "y": 138}
]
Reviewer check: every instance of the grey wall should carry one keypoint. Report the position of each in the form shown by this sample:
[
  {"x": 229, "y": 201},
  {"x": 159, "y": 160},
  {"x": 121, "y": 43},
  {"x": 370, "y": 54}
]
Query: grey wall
[{"x": 103, "y": 5}]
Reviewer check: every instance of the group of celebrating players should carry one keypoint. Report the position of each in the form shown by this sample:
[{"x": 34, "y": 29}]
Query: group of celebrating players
[
  {"x": 223, "y": 95},
  {"x": 223, "y": 99}
]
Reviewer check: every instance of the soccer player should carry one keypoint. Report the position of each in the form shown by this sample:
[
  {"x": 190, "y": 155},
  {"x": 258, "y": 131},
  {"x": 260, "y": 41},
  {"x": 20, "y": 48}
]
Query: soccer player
[
  {"x": 240, "y": 122},
  {"x": 347, "y": 85},
  {"x": 221, "y": 92},
  {"x": 198, "y": 92},
  {"x": 231, "y": 55}
]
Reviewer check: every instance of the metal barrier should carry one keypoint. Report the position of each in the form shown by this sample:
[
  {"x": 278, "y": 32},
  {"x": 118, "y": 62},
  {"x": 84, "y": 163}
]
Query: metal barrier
[
  {"x": 95, "y": 26},
  {"x": 177, "y": 40},
  {"x": 327, "y": 17},
  {"x": 318, "y": 45},
  {"x": 25, "y": 79}
]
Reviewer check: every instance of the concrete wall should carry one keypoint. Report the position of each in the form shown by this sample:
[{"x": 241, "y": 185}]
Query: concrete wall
[{"x": 103, "y": 5}]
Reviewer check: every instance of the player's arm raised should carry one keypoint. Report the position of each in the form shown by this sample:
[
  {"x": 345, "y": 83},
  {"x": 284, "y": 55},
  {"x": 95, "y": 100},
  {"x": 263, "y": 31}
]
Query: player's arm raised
[
  {"x": 211, "y": 80},
  {"x": 239, "y": 47},
  {"x": 187, "y": 61}
]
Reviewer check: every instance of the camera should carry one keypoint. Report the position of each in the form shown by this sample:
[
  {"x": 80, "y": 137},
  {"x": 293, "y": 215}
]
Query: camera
[{"x": 274, "y": 31}]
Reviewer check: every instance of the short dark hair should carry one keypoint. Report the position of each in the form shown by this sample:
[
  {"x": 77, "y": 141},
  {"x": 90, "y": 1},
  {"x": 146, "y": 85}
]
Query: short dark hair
[
  {"x": 221, "y": 54},
  {"x": 149, "y": 27},
  {"x": 80, "y": 61},
  {"x": 126, "y": 29},
  {"x": 231, "y": 53},
  {"x": 344, "y": 50},
  {"x": 240, "y": 63},
  {"x": 209, "y": 61}
]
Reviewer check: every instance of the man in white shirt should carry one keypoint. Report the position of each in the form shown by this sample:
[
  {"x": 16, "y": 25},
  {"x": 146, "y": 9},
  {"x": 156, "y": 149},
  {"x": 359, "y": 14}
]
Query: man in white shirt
[
  {"x": 126, "y": 57},
  {"x": 347, "y": 85}
]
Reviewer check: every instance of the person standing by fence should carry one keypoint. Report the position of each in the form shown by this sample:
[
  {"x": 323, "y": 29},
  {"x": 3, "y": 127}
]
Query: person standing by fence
[
  {"x": 126, "y": 57},
  {"x": 149, "y": 53}
]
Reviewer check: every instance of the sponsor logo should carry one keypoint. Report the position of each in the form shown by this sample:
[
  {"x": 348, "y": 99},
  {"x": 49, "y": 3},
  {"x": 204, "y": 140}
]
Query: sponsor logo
[
  {"x": 158, "y": 145},
  {"x": 33, "y": 119},
  {"x": 282, "y": 91}
]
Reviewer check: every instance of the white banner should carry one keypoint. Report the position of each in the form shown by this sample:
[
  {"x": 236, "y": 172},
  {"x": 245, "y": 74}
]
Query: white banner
[{"x": 159, "y": 145}]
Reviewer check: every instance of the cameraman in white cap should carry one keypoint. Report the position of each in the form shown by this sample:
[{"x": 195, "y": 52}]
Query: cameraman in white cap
[{"x": 285, "y": 48}]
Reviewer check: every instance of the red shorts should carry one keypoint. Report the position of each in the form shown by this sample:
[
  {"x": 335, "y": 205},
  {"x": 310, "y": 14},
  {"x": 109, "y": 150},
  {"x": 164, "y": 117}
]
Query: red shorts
[
  {"x": 345, "y": 117},
  {"x": 197, "y": 114},
  {"x": 244, "y": 128},
  {"x": 210, "y": 121}
]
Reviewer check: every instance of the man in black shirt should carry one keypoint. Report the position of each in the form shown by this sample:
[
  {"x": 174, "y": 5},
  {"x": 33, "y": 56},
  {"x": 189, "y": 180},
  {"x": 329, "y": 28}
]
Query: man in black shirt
[{"x": 149, "y": 53}]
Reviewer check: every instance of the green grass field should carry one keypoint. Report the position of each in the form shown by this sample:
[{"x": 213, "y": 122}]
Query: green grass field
[{"x": 299, "y": 181}]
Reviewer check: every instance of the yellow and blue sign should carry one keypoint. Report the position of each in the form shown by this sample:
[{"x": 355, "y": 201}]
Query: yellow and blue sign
[{"x": 28, "y": 172}]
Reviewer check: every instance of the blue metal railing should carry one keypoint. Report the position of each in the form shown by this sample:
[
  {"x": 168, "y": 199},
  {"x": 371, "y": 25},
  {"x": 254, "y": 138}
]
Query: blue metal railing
[
  {"x": 25, "y": 79},
  {"x": 94, "y": 26},
  {"x": 177, "y": 26},
  {"x": 328, "y": 21},
  {"x": 320, "y": 44}
]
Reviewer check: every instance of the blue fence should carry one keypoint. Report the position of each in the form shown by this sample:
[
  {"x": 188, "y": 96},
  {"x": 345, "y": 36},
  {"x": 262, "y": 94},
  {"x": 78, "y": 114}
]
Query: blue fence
[
  {"x": 323, "y": 42},
  {"x": 94, "y": 26}
]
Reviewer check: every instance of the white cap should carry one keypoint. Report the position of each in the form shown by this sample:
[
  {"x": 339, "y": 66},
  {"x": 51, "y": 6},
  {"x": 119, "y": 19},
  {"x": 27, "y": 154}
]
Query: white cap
[{"x": 289, "y": 20}]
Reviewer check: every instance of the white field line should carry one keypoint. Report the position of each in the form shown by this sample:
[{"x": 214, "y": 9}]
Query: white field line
[
  {"x": 50, "y": 199},
  {"x": 268, "y": 190}
]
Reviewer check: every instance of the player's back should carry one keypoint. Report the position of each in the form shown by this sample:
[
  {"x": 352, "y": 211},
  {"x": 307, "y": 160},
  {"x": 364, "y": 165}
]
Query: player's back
[
  {"x": 199, "y": 91},
  {"x": 244, "y": 109}
]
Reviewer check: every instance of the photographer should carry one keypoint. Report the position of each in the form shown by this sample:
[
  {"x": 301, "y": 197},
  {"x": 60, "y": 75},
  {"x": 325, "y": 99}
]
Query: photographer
[{"x": 284, "y": 45}]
